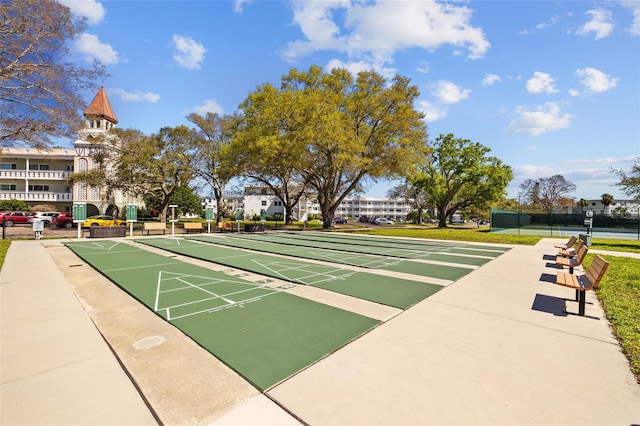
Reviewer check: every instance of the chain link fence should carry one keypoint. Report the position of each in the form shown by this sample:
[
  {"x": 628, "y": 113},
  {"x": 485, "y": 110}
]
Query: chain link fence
[{"x": 557, "y": 224}]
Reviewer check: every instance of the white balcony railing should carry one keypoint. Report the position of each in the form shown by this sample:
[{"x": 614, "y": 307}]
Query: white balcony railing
[
  {"x": 33, "y": 174},
  {"x": 36, "y": 196}
]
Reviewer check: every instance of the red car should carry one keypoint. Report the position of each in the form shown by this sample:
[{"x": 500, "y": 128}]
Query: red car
[
  {"x": 12, "y": 218},
  {"x": 63, "y": 220}
]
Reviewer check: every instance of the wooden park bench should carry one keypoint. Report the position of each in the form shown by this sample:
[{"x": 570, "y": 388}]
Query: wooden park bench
[
  {"x": 575, "y": 260},
  {"x": 190, "y": 227},
  {"x": 570, "y": 251},
  {"x": 587, "y": 281},
  {"x": 568, "y": 244},
  {"x": 225, "y": 226},
  {"x": 154, "y": 226}
]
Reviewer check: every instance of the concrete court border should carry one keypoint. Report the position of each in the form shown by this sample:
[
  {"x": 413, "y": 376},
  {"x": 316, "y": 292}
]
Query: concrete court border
[{"x": 495, "y": 360}]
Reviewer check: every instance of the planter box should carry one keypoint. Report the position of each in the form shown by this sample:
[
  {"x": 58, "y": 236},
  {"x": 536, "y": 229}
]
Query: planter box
[{"x": 107, "y": 231}]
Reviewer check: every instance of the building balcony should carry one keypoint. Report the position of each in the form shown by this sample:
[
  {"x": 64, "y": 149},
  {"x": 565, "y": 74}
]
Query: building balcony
[
  {"x": 35, "y": 174},
  {"x": 37, "y": 196}
]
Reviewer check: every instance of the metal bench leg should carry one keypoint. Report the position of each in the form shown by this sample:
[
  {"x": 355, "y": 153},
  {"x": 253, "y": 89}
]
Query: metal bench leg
[{"x": 582, "y": 302}]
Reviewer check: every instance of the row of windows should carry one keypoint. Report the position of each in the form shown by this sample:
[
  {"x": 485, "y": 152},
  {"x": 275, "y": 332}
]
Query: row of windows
[
  {"x": 275, "y": 203},
  {"x": 12, "y": 187},
  {"x": 32, "y": 166},
  {"x": 101, "y": 124}
]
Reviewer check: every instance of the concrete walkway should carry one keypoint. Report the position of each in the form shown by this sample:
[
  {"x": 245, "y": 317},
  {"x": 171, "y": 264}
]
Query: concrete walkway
[{"x": 496, "y": 347}]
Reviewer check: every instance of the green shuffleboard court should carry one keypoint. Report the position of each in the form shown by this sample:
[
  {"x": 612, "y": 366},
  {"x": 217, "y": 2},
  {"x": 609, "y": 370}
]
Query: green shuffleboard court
[
  {"x": 450, "y": 248},
  {"x": 367, "y": 257},
  {"x": 263, "y": 333},
  {"x": 391, "y": 291}
]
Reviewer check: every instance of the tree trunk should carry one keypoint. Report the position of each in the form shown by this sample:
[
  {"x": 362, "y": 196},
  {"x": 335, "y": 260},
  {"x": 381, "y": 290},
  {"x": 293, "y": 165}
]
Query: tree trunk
[
  {"x": 328, "y": 214},
  {"x": 442, "y": 217},
  {"x": 327, "y": 222},
  {"x": 288, "y": 217},
  {"x": 164, "y": 207}
]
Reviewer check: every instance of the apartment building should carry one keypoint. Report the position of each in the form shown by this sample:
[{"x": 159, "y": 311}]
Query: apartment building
[
  {"x": 630, "y": 206},
  {"x": 258, "y": 198},
  {"x": 38, "y": 176}
]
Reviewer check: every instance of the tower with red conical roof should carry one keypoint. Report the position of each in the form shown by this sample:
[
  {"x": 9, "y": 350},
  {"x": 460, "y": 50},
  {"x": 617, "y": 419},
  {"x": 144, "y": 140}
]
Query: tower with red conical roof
[{"x": 94, "y": 147}]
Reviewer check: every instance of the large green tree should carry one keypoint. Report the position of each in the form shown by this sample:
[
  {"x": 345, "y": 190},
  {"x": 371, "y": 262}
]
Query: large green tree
[
  {"x": 339, "y": 131},
  {"x": 210, "y": 154},
  {"x": 41, "y": 89},
  {"x": 184, "y": 197},
  {"x": 270, "y": 143},
  {"x": 156, "y": 165},
  {"x": 459, "y": 174},
  {"x": 548, "y": 193},
  {"x": 143, "y": 165}
]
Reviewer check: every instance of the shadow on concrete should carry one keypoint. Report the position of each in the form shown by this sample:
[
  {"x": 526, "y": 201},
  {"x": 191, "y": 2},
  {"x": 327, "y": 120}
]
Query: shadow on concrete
[
  {"x": 550, "y": 304},
  {"x": 548, "y": 278},
  {"x": 556, "y": 306}
]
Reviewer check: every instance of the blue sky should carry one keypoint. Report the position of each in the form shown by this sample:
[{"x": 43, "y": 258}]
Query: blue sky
[{"x": 551, "y": 87}]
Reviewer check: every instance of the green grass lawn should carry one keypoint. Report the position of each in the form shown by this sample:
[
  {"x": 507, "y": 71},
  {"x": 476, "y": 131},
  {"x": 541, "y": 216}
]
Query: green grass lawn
[{"x": 619, "y": 290}]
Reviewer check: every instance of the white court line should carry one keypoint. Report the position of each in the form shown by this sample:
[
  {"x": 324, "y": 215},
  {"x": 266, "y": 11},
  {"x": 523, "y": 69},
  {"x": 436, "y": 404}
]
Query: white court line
[
  {"x": 97, "y": 245},
  {"x": 341, "y": 259},
  {"x": 327, "y": 274},
  {"x": 131, "y": 268},
  {"x": 229, "y": 302},
  {"x": 206, "y": 291},
  {"x": 213, "y": 310},
  {"x": 164, "y": 276}
]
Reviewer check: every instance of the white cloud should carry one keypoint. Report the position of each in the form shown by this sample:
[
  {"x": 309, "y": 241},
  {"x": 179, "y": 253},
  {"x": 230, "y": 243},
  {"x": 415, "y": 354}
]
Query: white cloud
[
  {"x": 90, "y": 46},
  {"x": 135, "y": 96},
  {"x": 377, "y": 29},
  {"x": 541, "y": 82},
  {"x": 554, "y": 20},
  {"x": 423, "y": 67},
  {"x": 601, "y": 24},
  {"x": 189, "y": 54},
  {"x": 540, "y": 119},
  {"x": 450, "y": 93},
  {"x": 634, "y": 7},
  {"x": 574, "y": 92},
  {"x": 238, "y": 6},
  {"x": 432, "y": 112},
  {"x": 209, "y": 105},
  {"x": 609, "y": 161},
  {"x": 90, "y": 9},
  {"x": 490, "y": 79},
  {"x": 595, "y": 80},
  {"x": 355, "y": 67}
]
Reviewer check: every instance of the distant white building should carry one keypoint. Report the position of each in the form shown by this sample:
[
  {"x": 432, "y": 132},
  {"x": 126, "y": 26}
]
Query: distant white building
[
  {"x": 258, "y": 198},
  {"x": 357, "y": 207},
  {"x": 632, "y": 207}
]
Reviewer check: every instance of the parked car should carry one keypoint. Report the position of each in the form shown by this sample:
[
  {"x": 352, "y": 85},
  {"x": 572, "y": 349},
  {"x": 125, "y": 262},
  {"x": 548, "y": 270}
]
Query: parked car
[
  {"x": 340, "y": 220},
  {"x": 103, "y": 220},
  {"x": 383, "y": 221},
  {"x": 12, "y": 218},
  {"x": 63, "y": 220},
  {"x": 46, "y": 216}
]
